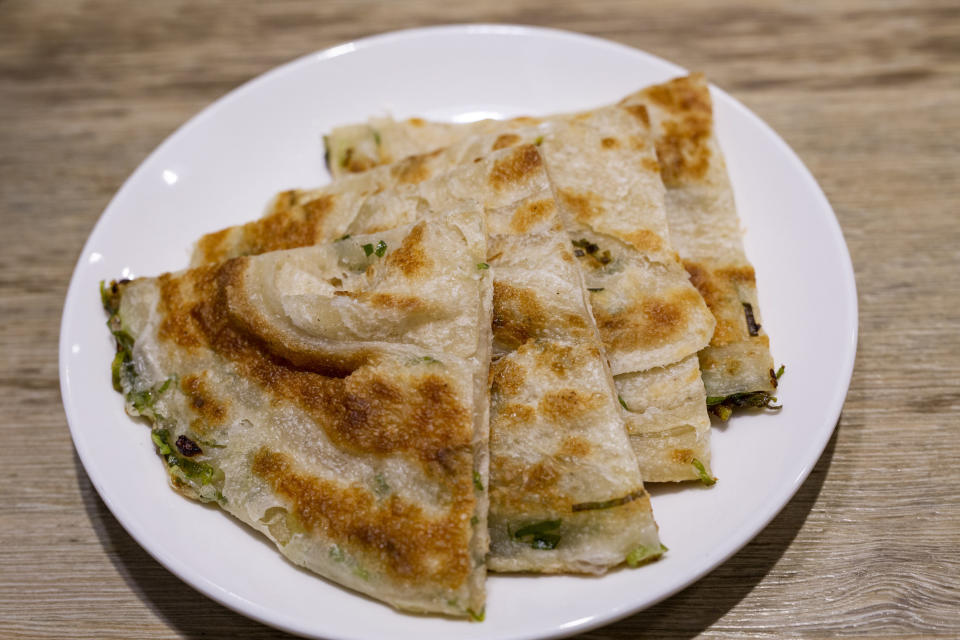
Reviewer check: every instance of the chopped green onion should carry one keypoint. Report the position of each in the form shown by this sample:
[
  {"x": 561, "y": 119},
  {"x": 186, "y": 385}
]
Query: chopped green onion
[
  {"x": 705, "y": 477},
  {"x": 159, "y": 438},
  {"x": 477, "y": 481},
  {"x": 537, "y": 527},
  {"x": 622, "y": 403},
  {"x": 482, "y": 265},
  {"x": 477, "y": 617},
  {"x": 381, "y": 249},
  {"x": 643, "y": 554},
  {"x": 606, "y": 504},
  {"x": 368, "y": 249}
]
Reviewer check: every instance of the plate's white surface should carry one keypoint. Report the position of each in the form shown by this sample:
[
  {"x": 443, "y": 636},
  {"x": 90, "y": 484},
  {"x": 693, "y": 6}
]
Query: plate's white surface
[{"x": 222, "y": 167}]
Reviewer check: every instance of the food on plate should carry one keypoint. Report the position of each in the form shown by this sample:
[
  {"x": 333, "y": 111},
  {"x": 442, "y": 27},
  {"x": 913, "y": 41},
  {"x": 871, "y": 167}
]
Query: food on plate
[
  {"x": 466, "y": 353},
  {"x": 332, "y": 397}
]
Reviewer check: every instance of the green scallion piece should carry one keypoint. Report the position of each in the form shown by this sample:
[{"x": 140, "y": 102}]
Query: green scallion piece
[{"x": 705, "y": 477}]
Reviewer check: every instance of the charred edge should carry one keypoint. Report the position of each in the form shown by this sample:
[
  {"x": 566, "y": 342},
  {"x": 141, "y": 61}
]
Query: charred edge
[
  {"x": 188, "y": 447},
  {"x": 723, "y": 406},
  {"x": 752, "y": 325}
]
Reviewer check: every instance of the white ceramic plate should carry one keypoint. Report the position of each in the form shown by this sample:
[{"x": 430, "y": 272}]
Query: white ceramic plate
[{"x": 221, "y": 169}]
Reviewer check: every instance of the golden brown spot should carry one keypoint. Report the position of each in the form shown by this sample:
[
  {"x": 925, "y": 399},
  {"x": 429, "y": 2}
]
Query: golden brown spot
[
  {"x": 518, "y": 316},
  {"x": 650, "y": 322},
  {"x": 541, "y": 477},
  {"x": 211, "y": 411},
  {"x": 284, "y": 201},
  {"x": 651, "y": 165},
  {"x": 575, "y": 447},
  {"x": 505, "y": 140},
  {"x": 518, "y": 166},
  {"x": 529, "y": 214},
  {"x": 412, "y": 170},
  {"x": 411, "y": 258},
  {"x": 407, "y": 304},
  {"x": 563, "y": 359},
  {"x": 682, "y": 456},
  {"x": 508, "y": 416},
  {"x": 682, "y": 95},
  {"x": 584, "y": 205},
  {"x": 639, "y": 112},
  {"x": 610, "y": 143},
  {"x": 178, "y": 324},
  {"x": 683, "y": 149},
  {"x": 213, "y": 247},
  {"x": 507, "y": 377},
  {"x": 561, "y": 405},
  {"x": 392, "y": 536},
  {"x": 644, "y": 240},
  {"x": 416, "y": 122},
  {"x": 286, "y": 228}
]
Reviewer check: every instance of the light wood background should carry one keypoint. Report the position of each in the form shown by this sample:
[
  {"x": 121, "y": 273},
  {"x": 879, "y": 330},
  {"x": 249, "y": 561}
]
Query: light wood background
[{"x": 867, "y": 93}]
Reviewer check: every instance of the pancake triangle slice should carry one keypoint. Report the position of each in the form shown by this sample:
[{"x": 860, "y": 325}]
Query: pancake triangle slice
[{"x": 333, "y": 398}]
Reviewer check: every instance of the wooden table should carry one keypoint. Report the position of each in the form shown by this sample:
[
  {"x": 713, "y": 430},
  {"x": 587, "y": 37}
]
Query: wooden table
[{"x": 867, "y": 93}]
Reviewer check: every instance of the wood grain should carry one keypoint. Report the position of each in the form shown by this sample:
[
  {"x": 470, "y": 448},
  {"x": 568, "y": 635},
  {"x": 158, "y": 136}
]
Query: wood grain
[{"x": 867, "y": 93}]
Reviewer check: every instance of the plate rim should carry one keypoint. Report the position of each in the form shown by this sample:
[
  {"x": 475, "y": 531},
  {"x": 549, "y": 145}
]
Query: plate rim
[{"x": 720, "y": 554}]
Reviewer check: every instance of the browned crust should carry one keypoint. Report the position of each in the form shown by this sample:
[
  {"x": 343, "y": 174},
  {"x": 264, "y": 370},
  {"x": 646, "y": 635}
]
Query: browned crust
[
  {"x": 286, "y": 227},
  {"x": 639, "y": 112},
  {"x": 683, "y": 139},
  {"x": 414, "y": 169},
  {"x": 411, "y": 258},
  {"x": 647, "y": 323},
  {"x": 360, "y": 407},
  {"x": 409, "y": 545},
  {"x": 211, "y": 411},
  {"x": 505, "y": 140},
  {"x": 516, "y": 167},
  {"x": 518, "y": 316},
  {"x": 529, "y": 214},
  {"x": 584, "y": 205}
]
